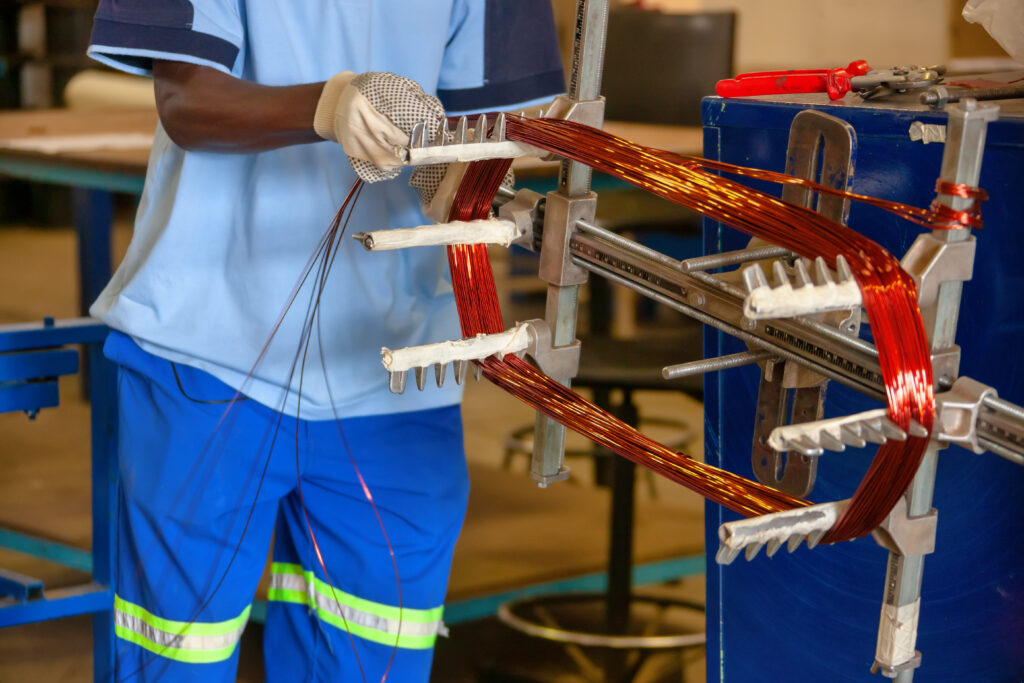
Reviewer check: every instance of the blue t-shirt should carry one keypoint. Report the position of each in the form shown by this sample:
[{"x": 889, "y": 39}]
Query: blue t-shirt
[{"x": 221, "y": 240}]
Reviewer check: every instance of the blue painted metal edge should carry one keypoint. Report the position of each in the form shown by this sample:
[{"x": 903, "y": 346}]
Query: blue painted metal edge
[
  {"x": 87, "y": 599},
  {"x": 22, "y": 336},
  {"x": 18, "y": 586},
  {"x": 44, "y": 172},
  {"x": 38, "y": 364},
  {"x": 50, "y": 551}
]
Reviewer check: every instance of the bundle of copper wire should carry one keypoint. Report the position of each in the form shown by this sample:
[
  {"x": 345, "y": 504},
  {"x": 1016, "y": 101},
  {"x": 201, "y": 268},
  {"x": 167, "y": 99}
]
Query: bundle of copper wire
[
  {"x": 889, "y": 294},
  {"x": 479, "y": 312}
]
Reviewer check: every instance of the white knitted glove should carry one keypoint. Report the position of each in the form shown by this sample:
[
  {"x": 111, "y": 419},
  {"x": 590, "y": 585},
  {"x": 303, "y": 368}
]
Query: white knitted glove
[{"x": 371, "y": 115}]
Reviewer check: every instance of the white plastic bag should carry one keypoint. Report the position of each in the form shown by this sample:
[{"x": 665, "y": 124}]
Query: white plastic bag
[{"x": 1004, "y": 21}]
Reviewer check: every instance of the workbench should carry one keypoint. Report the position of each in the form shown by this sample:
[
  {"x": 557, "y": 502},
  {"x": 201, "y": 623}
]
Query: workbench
[{"x": 85, "y": 161}]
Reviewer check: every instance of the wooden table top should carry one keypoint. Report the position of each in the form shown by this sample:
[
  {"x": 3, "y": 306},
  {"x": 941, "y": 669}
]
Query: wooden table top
[{"x": 53, "y": 123}]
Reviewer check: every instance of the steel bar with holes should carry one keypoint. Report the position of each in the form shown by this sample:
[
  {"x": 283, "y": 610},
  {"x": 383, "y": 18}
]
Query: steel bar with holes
[{"x": 816, "y": 346}]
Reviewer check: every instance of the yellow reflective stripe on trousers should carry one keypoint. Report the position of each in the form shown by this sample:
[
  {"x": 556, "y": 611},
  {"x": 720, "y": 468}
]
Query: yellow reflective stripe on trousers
[
  {"x": 182, "y": 641},
  {"x": 385, "y": 624}
]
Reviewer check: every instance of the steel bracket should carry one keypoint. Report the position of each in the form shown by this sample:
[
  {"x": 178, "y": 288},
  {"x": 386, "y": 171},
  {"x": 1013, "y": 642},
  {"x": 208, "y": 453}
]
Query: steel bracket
[
  {"x": 523, "y": 210},
  {"x": 958, "y": 410},
  {"x": 906, "y": 535},
  {"x": 946, "y": 366},
  {"x": 561, "y": 214},
  {"x": 559, "y": 362},
  {"x": 893, "y": 671},
  {"x": 933, "y": 260},
  {"x": 588, "y": 112}
]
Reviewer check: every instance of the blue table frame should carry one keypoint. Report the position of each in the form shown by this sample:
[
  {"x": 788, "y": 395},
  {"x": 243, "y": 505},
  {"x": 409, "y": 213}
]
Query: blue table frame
[{"x": 97, "y": 596}]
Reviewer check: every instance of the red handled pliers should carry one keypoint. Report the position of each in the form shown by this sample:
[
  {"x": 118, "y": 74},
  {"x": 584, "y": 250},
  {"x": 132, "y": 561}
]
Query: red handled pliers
[{"x": 836, "y": 82}]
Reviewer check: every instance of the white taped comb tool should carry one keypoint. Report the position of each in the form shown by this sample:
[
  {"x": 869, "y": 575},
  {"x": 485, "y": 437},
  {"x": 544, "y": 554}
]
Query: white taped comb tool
[
  {"x": 807, "y": 297},
  {"x": 468, "y": 142},
  {"x": 484, "y": 231},
  {"x": 460, "y": 352},
  {"x": 790, "y": 527},
  {"x": 835, "y": 434}
]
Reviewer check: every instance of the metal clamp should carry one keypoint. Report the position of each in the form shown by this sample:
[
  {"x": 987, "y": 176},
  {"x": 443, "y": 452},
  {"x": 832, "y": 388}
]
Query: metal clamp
[
  {"x": 933, "y": 261},
  {"x": 588, "y": 112},
  {"x": 561, "y": 214},
  {"x": 958, "y": 410},
  {"x": 559, "y": 362},
  {"x": 906, "y": 535},
  {"x": 523, "y": 210}
]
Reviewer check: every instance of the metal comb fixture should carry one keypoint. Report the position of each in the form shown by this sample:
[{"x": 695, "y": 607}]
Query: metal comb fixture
[
  {"x": 790, "y": 527},
  {"x": 459, "y": 352},
  {"x": 467, "y": 142},
  {"x": 835, "y": 434},
  {"x": 800, "y": 294}
]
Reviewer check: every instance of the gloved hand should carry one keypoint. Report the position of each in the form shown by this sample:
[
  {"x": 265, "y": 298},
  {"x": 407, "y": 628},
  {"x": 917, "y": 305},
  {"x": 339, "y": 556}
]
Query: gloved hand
[{"x": 371, "y": 115}]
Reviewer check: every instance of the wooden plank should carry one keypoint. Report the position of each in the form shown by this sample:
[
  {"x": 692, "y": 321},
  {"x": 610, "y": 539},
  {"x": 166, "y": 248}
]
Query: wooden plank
[{"x": 64, "y": 122}]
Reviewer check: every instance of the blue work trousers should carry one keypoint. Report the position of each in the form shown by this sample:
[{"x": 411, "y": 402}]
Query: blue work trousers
[{"x": 206, "y": 482}]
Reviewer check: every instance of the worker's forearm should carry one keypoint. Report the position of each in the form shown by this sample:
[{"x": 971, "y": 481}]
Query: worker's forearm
[{"x": 204, "y": 109}]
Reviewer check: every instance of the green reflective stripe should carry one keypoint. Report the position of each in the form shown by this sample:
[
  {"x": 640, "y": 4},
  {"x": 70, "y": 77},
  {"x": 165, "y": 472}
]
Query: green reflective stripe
[
  {"x": 193, "y": 643},
  {"x": 410, "y": 628},
  {"x": 177, "y": 654},
  {"x": 403, "y": 614},
  {"x": 410, "y": 642},
  {"x": 186, "y": 628}
]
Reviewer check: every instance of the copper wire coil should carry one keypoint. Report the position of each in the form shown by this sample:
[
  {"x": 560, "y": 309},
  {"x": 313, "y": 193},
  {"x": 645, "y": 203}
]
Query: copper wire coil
[{"x": 889, "y": 294}]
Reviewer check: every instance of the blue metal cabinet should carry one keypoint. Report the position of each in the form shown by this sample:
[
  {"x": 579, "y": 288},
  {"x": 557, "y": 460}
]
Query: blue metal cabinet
[{"x": 813, "y": 615}]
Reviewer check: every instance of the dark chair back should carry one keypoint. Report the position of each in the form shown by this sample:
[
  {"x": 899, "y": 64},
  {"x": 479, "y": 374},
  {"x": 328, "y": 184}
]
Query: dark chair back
[{"x": 658, "y": 66}]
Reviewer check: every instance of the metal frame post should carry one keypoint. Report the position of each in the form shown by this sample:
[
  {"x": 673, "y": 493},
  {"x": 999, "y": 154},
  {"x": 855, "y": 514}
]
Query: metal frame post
[
  {"x": 961, "y": 163},
  {"x": 573, "y": 183}
]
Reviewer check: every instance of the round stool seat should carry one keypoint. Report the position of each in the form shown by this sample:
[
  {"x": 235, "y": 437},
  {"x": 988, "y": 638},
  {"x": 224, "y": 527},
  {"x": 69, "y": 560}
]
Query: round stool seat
[{"x": 656, "y": 623}]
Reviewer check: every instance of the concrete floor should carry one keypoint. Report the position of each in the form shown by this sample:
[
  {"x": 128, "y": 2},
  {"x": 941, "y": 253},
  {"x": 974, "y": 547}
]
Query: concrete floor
[{"x": 45, "y": 465}]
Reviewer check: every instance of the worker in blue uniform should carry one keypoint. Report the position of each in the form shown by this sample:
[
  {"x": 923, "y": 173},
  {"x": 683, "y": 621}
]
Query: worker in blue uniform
[{"x": 244, "y": 178}]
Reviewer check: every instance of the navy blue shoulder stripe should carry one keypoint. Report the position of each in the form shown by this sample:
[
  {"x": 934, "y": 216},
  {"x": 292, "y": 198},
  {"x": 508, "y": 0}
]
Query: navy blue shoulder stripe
[
  {"x": 169, "y": 13},
  {"x": 521, "y": 57},
  {"x": 495, "y": 96},
  {"x": 177, "y": 41},
  {"x": 164, "y": 26}
]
